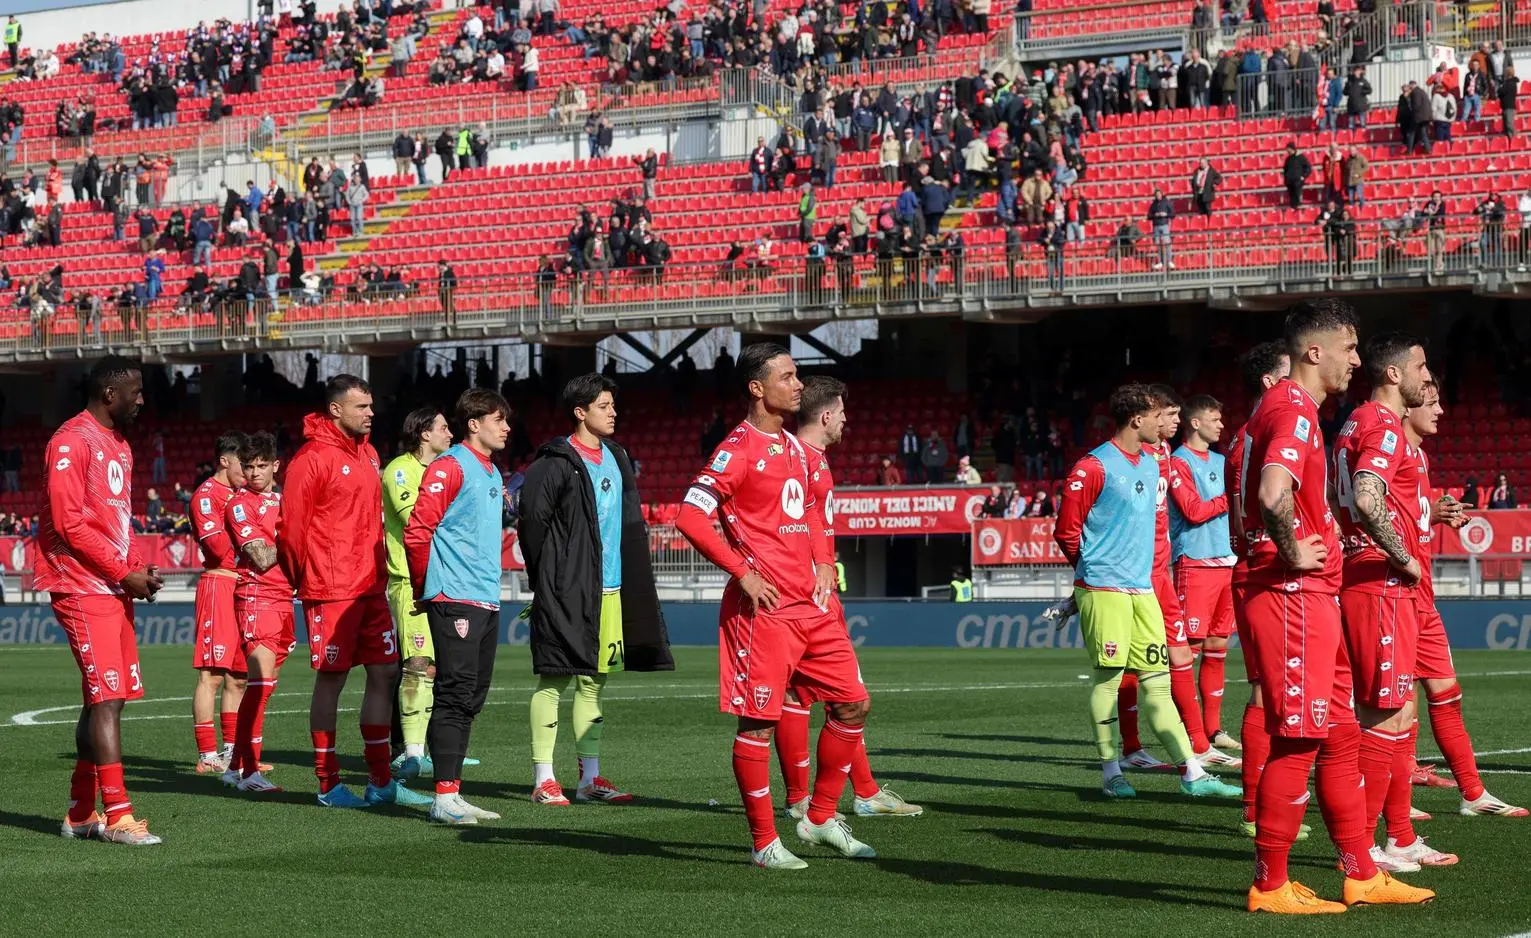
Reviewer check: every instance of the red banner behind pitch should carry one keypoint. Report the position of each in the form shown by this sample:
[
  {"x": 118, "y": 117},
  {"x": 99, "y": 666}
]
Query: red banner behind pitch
[
  {"x": 936, "y": 510},
  {"x": 1505, "y": 532},
  {"x": 1014, "y": 541}
]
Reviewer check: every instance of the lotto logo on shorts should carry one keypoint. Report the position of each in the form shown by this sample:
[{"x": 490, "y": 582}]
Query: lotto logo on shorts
[
  {"x": 1110, "y": 649},
  {"x": 419, "y": 642},
  {"x": 461, "y": 626},
  {"x": 762, "y": 696},
  {"x": 331, "y": 654},
  {"x": 1320, "y": 708}
]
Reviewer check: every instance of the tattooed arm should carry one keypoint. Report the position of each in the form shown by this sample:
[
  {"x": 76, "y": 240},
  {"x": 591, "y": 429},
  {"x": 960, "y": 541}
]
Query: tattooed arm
[
  {"x": 262, "y": 556},
  {"x": 1371, "y": 512},
  {"x": 1278, "y": 514}
]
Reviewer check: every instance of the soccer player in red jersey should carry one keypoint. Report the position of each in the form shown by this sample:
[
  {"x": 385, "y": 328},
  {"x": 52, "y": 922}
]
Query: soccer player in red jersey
[
  {"x": 1377, "y": 487},
  {"x": 89, "y": 566},
  {"x": 1433, "y": 666},
  {"x": 329, "y": 541},
  {"x": 1202, "y": 555},
  {"x": 775, "y": 621},
  {"x": 263, "y": 601},
  {"x": 820, "y": 423},
  {"x": 1262, "y": 367},
  {"x": 217, "y": 655},
  {"x": 1291, "y": 600}
]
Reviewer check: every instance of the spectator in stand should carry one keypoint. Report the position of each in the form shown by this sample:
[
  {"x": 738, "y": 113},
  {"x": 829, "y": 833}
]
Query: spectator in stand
[
  {"x": 648, "y": 167},
  {"x": 1509, "y": 92},
  {"x": 1161, "y": 214},
  {"x": 933, "y": 457},
  {"x": 966, "y": 473},
  {"x": 446, "y": 149},
  {"x": 1434, "y": 212},
  {"x": 1339, "y": 236},
  {"x": 1523, "y": 209},
  {"x": 1501, "y": 495},
  {"x": 887, "y": 157},
  {"x": 1003, "y": 443},
  {"x": 356, "y": 200},
  {"x": 995, "y": 503},
  {"x": 1053, "y": 239},
  {"x": 909, "y": 449},
  {"x": 1204, "y": 183},
  {"x": 271, "y": 272},
  {"x": 1041, "y": 505},
  {"x": 237, "y": 231},
  {"x": 1036, "y": 192},
  {"x": 1333, "y": 174},
  {"x": 1475, "y": 87},
  {"x": 1358, "y": 93},
  {"x": 1356, "y": 165},
  {"x": 13, "y": 460},
  {"x": 403, "y": 153},
  {"x": 154, "y": 274},
  {"x": 1295, "y": 170},
  {"x": 759, "y": 165},
  {"x": 1491, "y": 216},
  {"x": 889, "y": 474},
  {"x": 148, "y": 228},
  {"x": 1414, "y": 115},
  {"x": 154, "y": 511},
  {"x": 1443, "y": 110},
  {"x": 962, "y": 437},
  {"x": 158, "y": 466},
  {"x": 1332, "y": 89}
]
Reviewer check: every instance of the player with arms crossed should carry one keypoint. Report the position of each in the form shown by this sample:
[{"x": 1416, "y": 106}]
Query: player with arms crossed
[
  {"x": 217, "y": 655},
  {"x": 263, "y": 600},
  {"x": 1291, "y": 599},
  {"x": 1376, "y": 475},
  {"x": 1262, "y": 367},
  {"x": 1433, "y": 666},
  {"x": 820, "y": 423},
  {"x": 92, "y": 572},
  {"x": 1107, "y": 528},
  {"x": 453, "y": 545},
  {"x": 596, "y": 609},
  {"x": 427, "y": 436},
  {"x": 330, "y": 544},
  {"x": 775, "y": 624},
  {"x": 1203, "y": 555}
]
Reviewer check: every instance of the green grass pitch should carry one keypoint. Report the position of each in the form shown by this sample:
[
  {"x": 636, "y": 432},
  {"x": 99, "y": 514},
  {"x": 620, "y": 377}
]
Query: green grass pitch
[{"x": 1015, "y": 840}]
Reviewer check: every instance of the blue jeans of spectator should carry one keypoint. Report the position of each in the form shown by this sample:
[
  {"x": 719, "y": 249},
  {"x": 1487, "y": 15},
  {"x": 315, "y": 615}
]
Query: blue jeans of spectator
[
  {"x": 1055, "y": 270},
  {"x": 697, "y": 51},
  {"x": 117, "y": 232},
  {"x": 1330, "y": 120},
  {"x": 1074, "y": 232},
  {"x": 1357, "y": 119},
  {"x": 420, "y": 173},
  {"x": 829, "y": 175},
  {"x": 575, "y": 36},
  {"x": 531, "y": 80},
  {"x": 271, "y": 280},
  {"x": 1007, "y": 196},
  {"x": 201, "y": 252},
  {"x": 1356, "y": 194},
  {"x": 356, "y": 219},
  {"x": 593, "y": 142},
  {"x": 152, "y": 288},
  {"x": 1441, "y": 130},
  {"x": 311, "y": 230},
  {"x": 758, "y": 182},
  {"x": 1065, "y": 175},
  {"x": 1472, "y": 107}
]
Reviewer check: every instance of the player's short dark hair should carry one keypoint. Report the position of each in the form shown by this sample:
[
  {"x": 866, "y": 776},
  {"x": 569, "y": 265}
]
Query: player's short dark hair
[
  {"x": 1165, "y": 395},
  {"x": 1131, "y": 400},
  {"x": 582, "y": 392},
  {"x": 754, "y": 361},
  {"x": 1324, "y": 314},
  {"x": 476, "y": 404},
  {"x": 340, "y": 385},
  {"x": 1260, "y": 361},
  {"x": 230, "y": 443},
  {"x": 109, "y": 372},
  {"x": 417, "y": 423},
  {"x": 1384, "y": 349},
  {"x": 258, "y": 446},
  {"x": 819, "y": 394},
  {"x": 1198, "y": 404}
]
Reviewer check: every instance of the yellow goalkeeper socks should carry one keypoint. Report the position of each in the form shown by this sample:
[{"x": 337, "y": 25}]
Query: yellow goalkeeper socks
[
  {"x": 416, "y": 695},
  {"x": 544, "y": 716},
  {"x": 587, "y": 715},
  {"x": 1156, "y": 703},
  {"x": 1103, "y": 711}
]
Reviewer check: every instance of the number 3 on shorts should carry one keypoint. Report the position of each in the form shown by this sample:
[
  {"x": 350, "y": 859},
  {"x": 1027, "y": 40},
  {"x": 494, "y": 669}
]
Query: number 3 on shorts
[{"x": 389, "y": 644}]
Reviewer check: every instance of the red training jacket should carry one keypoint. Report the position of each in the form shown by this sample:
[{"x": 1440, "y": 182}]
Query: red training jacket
[{"x": 329, "y": 539}]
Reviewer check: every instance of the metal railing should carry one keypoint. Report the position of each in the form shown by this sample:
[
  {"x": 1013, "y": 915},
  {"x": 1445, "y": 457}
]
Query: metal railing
[{"x": 983, "y": 283}]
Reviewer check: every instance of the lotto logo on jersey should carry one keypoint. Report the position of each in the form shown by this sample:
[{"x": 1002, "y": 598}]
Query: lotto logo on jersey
[
  {"x": 62, "y": 464},
  {"x": 1289, "y": 454},
  {"x": 1320, "y": 711},
  {"x": 1379, "y": 462}
]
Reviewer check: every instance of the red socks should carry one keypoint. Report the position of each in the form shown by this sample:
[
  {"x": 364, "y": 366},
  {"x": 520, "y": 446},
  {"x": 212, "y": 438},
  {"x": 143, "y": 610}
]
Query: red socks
[
  {"x": 792, "y": 751},
  {"x": 1395, "y": 807},
  {"x": 862, "y": 781},
  {"x": 230, "y": 721},
  {"x": 1127, "y": 713},
  {"x": 448, "y": 788},
  {"x": 1183, "y": 692},
  {"x": 377, "y": 749},
  {"x": 1340, "y": 799},
  {"x": 114, "y": 794},
  {"x": 837, "y": 749},
  {"x": 752, "y": 771},
  {"x": 1456, "y": 745},
  {"x": 207, "y": 737},
  {"x": 1282, "y": 800},
  {"x": 1257, "y": 749},
  {"x": 326, "y": 763},
  {"x": 1209, "y": 681},
  {"x": 251, "y": 726},
  {"x": 1376, "y": 765},
  {"x": 82, "y": 791}
]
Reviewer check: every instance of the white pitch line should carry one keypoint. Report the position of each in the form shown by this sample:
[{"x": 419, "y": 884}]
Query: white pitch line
[{"x": 30, "y": 717}]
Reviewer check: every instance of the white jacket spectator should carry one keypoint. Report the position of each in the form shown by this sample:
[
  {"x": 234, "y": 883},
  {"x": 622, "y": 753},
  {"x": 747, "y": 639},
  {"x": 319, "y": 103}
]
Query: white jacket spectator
[{"x": 966, "y": 473}]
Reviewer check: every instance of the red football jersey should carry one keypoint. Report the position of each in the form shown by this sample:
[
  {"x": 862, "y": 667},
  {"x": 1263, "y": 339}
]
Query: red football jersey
[
  {"x": 85, "y": 536},
  {"x": 1372, "y": 441},
  {"x": 207, "y": 522},
  {"x": 1284, "y": 432},
  {"x": 758, "y": 484},
  {"x": 1161, "y": 455},
  {"x": 1424, "y": 541},
  {"x": 1233, "y": 480},
  {"x": 821, "y": 485},
  {"x": 252, "y": 516}
]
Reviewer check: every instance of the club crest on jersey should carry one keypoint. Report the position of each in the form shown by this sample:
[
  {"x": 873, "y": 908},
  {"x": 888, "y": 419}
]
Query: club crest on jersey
[
  {"x": 762, "y": 694},
  {"x": 1110, "y": 649},
  {"x": 331, "y": 654},
  {"x": 1320, "y": 711},
  {"x": 418, "y": 641},
  {"x": 460, "y": 626},
  {"x": 110, "y": 679},
  {"x": 720, "y": 461}
]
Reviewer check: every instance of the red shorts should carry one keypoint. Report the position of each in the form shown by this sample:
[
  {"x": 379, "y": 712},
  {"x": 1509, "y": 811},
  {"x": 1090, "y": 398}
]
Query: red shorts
[
  {"x": 759, "y": 656},
  {"x": 343, "y": 633},
  {"x": 267, "y": 624},
  {"x": 1246, "y": 642},
  {"x": 218, "y": 644},
  {"x": 1432, "y": 654},
  {"x": 1169, "y": 604},
  {"x": 100, "y": 630},
  {"x": 1304, "y": 670},
  {"x": 1206, "y": 596},
  {"x": 1381, "y": 633}
]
